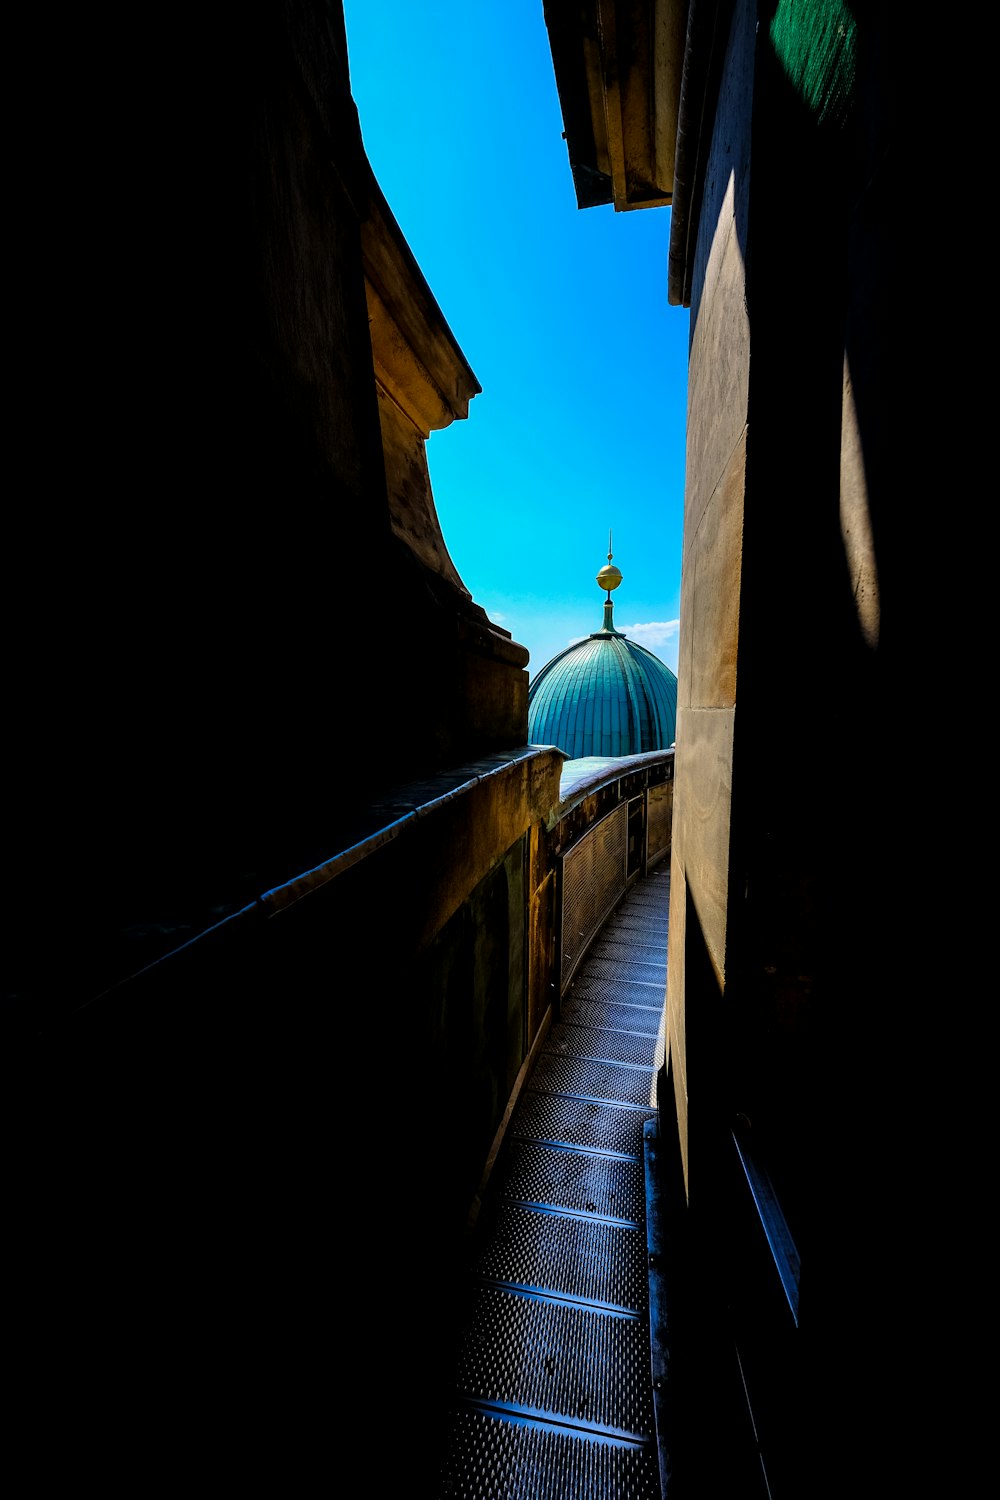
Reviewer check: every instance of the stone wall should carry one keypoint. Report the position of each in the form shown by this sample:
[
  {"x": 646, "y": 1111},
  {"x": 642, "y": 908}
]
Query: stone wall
[
  {"x": 796, "y": 800},
  {"x": 250, "y": 627}
]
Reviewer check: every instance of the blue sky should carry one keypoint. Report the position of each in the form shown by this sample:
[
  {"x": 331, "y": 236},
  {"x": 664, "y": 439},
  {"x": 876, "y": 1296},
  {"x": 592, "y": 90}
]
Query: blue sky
[{"x": 561, "y": 312}]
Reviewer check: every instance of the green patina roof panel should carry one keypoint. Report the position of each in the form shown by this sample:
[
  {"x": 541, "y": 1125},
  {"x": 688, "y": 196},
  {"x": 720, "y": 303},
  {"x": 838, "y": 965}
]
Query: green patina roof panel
[{"x": 605, "y": 696}]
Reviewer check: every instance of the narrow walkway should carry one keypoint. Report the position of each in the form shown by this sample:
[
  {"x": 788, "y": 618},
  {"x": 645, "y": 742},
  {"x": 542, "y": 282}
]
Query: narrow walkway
[{"x": 553, "y": 1393}]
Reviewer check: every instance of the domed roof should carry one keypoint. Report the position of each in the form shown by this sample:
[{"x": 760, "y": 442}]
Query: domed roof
[{"x": 605, "y": 695}]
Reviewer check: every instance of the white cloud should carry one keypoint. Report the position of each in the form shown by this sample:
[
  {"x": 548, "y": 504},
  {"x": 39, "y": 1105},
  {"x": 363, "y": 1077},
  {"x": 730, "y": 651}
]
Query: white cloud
[{"x": 653, "y": 632}]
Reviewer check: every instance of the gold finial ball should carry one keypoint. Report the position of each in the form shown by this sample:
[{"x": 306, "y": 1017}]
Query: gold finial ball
[{"x": 609, "y": 577}]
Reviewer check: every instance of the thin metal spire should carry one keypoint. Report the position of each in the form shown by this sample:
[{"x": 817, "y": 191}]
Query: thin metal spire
[{"x": 609, "y": 578}]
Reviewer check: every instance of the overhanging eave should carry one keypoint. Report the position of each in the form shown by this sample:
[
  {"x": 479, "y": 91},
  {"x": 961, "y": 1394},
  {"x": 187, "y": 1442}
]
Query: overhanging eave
[{"x": 618, "y": 67}]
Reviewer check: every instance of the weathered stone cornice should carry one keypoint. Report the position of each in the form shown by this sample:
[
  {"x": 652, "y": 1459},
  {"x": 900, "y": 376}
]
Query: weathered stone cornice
[{"x": 418, "y": 362}]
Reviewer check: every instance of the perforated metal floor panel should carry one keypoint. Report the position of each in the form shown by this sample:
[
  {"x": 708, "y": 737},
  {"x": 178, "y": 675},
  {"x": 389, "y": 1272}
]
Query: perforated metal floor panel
[{"x": 553, "y": 1392}]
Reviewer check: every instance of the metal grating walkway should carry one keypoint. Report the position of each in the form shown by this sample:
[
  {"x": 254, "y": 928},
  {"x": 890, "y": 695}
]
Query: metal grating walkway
[{"x": 553, "y": 1388}]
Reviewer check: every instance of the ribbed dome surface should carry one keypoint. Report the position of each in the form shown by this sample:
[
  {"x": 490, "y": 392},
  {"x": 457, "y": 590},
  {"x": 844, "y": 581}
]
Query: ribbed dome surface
[{"x": 604, "y": 696}]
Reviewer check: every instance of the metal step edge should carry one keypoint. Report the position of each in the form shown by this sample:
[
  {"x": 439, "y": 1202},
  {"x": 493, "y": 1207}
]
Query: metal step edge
[
  {"x": 533, "y": 1417},
  {"x": 560, "y": 1299},
  {"x": 556, "y": 1211},
  {"x": 597, "y": 1001},
  {"x": 597, "y": 981},
  {"x": 641, "y": 1109},
  {"x": 611, "y": 1062},
  {"x": 557, "y": 1145}
]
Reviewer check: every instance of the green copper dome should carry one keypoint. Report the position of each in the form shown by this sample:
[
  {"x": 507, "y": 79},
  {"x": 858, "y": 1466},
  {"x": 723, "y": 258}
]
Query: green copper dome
[{"x": 604, "y": 696}]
